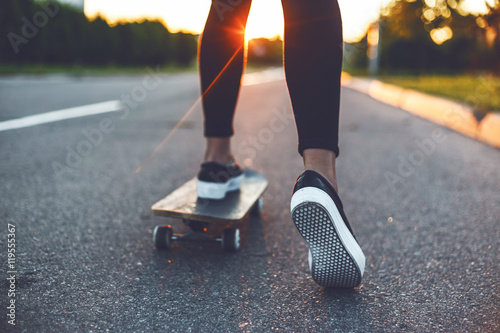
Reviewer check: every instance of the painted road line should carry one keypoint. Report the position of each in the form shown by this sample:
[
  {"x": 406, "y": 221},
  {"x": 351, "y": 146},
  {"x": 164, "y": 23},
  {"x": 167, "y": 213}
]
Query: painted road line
[{"x": 53, "y": 116}]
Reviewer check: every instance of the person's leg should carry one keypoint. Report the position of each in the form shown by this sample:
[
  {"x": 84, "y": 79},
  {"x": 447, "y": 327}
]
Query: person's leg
[
  {"x": 221, "y": 63},
  {"x": 323, "y": 162},
  {"x": 313, "y": 65}
]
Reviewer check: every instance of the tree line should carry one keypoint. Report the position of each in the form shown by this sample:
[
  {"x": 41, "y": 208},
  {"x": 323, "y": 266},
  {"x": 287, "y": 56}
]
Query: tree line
[
  {"x": 47, "y": 32},
  {"x": 417, "y": 37}
]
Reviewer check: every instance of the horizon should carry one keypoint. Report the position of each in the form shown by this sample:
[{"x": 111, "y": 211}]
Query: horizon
[
  {"x": 180, "y": 17},
  {"x": 190, "y": 15}
]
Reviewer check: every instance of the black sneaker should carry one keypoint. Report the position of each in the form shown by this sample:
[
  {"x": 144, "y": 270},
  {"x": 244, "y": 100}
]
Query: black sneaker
[
  {"x": 335, "y": 258},
  {"x": 216, "y": 179}
]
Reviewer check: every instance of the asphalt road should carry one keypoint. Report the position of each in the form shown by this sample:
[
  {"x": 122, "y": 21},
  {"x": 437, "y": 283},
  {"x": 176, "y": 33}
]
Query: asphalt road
[{"x": 423, "y": 201}]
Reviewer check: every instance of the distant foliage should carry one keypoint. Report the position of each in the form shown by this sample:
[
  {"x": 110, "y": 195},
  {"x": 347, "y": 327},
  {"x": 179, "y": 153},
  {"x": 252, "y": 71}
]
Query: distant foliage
[
  {"x": 435, "y": 36},
  {"x": 262, "y": 51},
  {"x": 53, "y": 33}
]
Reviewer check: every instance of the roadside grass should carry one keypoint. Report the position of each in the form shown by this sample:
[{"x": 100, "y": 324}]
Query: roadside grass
[
  {"x": 481, "y": 92},
  {"x": 33, "y": 69}
]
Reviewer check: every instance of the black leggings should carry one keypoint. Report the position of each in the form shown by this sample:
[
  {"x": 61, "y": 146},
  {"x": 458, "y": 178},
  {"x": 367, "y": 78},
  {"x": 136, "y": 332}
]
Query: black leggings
[{"x": 313, "y": 50}]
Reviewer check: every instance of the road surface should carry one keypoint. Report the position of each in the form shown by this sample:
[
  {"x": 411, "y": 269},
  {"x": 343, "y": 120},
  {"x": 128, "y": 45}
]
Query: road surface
[{"x": 424, "y": 203}]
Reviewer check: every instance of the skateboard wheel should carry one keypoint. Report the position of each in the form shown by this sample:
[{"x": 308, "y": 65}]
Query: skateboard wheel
[
  {"x": 257, "y": 207},
  {"x": 231, "y": 239},
  {"x": 162, "y": 236}
]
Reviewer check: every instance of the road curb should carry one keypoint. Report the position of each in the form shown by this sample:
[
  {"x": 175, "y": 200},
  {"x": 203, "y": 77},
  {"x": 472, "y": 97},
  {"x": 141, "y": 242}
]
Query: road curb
[
  {"x": 445, "y": 112},
  {"x": 489, "y": 129}
]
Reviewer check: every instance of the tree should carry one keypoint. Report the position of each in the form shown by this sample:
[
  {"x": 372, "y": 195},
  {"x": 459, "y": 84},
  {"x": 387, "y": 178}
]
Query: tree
[
  {"x": 491, "y": 24},
  {"x": 186, "y": 48},
  {"x": 13, "y": 40},
  {"x": 265, "y": 51},
  {"x": 431, "y": 35},
  {"x": 66, "y": 36}
]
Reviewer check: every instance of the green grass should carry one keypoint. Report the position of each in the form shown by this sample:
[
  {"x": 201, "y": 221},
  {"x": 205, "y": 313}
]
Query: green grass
[
  {"x": 481, "y": 92},
  {"x": 256, "y": 67},
  {"x": 108, "y": 70},
  {"x": 89, "y": 70}
]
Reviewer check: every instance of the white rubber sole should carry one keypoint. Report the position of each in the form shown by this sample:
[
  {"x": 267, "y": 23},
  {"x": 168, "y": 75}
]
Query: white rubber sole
[
  {"x": 217, "y": 191},
  {"x": 335, "y": 258}
]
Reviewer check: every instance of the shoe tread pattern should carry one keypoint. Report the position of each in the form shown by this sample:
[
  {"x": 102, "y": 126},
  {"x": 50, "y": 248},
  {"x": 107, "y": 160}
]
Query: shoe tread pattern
[{"x": 332, "y": 264}]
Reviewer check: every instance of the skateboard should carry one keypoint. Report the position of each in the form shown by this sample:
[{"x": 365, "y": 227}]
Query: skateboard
[{"x": 198, "y": 213}]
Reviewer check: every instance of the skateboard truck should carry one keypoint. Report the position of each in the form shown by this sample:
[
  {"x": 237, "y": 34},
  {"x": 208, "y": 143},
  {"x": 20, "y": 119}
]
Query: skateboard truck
[{"x": 163, "y": 236}]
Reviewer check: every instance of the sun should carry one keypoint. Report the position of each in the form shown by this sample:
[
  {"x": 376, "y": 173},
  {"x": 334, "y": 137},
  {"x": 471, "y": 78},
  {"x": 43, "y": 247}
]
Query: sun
[{"x": 265, "y": 20}]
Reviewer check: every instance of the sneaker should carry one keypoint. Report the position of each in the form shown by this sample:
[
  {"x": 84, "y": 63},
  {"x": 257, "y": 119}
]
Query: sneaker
[
  {"x": 335, "y": 258},
  {"x": 216, "y": 179}
]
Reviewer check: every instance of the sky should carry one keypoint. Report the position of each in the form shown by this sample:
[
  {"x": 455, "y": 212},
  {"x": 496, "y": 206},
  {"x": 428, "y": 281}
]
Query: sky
[{"x": 266, "y": 16}]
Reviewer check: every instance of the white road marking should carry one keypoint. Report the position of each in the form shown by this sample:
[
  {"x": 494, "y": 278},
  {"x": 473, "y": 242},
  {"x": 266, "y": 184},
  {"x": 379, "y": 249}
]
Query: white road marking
[{"x": 53, "y": 116}]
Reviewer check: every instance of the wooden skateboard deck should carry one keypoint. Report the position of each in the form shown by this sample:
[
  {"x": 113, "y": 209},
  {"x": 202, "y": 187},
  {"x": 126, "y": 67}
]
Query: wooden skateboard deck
[
  {"x": 184, "y": 203},
  {"x": 197, "y": 213}
]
